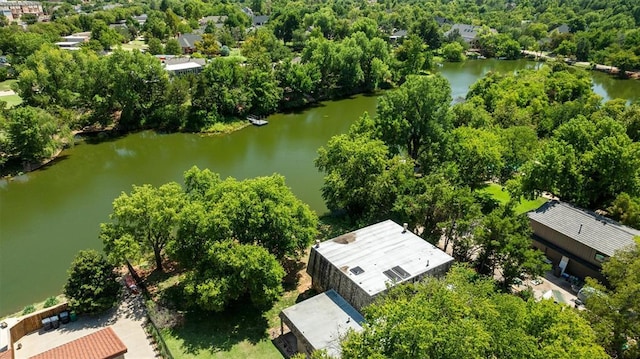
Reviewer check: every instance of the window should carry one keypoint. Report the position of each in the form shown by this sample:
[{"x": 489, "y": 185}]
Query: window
[{"x": 600, "y": 257}]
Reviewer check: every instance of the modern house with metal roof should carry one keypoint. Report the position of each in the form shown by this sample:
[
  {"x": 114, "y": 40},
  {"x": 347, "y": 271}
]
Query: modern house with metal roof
[
  {"x": 362, "y": 264},
  {"x": 320, "y": 322},
  {"x": 578, "y": 241}
]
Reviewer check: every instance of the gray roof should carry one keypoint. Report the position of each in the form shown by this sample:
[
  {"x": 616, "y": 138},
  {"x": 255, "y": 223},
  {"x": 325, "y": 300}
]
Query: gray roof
[
  {"x": 260, "y": 19},
  {"x": 597, "y": 232},
  {"x": 379, "y": 248},
  {"x": 324, "y": 320},
  {"x": 399, "y": 33},
  {"x": 562, "y": 29},
  {"x": 468, "y": 32},
  {"x": 188, "y": 40}
]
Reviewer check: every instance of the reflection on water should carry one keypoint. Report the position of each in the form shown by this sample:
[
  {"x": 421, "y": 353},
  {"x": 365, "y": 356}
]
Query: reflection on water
[{"x": 50, "y": 214}]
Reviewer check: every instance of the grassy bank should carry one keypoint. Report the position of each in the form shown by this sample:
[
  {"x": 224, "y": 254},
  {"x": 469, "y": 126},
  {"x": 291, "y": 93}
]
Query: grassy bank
[
  {"x": 501, "y": 195},
  {"x": 11, "y": 100},
  {"x": 6, "y": 85}
]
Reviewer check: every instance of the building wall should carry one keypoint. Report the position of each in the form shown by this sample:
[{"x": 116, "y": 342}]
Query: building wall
[
  {"x": 325, "y": 276},
  {"x": 576, "y": 248},
  {"x": 573, "y": 268}
]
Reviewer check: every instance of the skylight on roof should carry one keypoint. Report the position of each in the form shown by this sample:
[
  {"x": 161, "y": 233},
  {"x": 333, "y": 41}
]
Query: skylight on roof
[
  {"x": 392, "y": 275},
  {"x": 401, "y": 272},
  {"x": 356, "y": 270}
]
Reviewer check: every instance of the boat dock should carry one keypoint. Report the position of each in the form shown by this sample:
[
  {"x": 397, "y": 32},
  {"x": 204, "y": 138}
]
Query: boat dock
[{"x": 257, "y": 121}]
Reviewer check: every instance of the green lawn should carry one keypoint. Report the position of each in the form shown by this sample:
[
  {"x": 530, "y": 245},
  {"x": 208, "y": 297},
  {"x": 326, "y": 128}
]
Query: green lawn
[
  {"x": 135, "y": 45},
  {"x": 502, "y": 196},
  {"x": 6, "y": 85},
  {"x": 241, "y": 332},
  {"x": 11, "y": 100}
]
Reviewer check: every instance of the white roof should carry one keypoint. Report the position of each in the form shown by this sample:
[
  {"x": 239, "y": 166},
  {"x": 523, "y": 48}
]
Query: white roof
[
  {"x": 67, "y": 43},
  {"x": 324, "y": 320},
  {"x": 379, "y": 248},
  {"x": 182, "y": 66}
]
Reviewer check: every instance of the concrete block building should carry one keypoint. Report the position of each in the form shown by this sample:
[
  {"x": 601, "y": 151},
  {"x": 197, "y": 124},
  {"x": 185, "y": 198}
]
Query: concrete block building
[{"x": 362, "y": 264}]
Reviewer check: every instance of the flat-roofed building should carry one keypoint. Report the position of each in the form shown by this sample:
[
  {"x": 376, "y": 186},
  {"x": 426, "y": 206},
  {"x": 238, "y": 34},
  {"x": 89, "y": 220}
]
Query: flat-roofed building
[
  {"x": 184, "y": 68},
  {"x": 362, "y": 264},
  {"x": 320, "y": 322}
]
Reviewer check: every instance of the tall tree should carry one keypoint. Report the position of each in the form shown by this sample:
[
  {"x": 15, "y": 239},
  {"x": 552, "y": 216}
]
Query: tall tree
[
  {"x": 360, "y": 176},
  {"x": 416, "y": 118},
  {"x": 504, "y": 241},
  {"x": 230, "y": 271},
  {"x": 34, "y": 134},
  {"x": 142, "y": 222}
]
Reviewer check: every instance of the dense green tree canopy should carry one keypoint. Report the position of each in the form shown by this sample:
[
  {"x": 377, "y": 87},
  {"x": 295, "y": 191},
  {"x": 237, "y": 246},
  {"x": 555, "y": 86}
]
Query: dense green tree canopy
[
  {"x": 416, "y": 118},
  {"x": 461, "y": 316},
  {"x": 613, "y": 311},
  {"x": 142, "y": 222},
  {"x": 92, "y": 286},
  {"x": 230, "y": 271}
]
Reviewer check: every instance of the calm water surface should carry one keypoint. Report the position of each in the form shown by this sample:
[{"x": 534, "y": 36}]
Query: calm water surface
[{"x": 48, "y": 215}]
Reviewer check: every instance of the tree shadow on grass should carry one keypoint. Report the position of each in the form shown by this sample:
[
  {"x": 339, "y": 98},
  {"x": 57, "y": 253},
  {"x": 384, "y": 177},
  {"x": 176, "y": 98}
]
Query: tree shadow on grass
[
  {"x": 292, "y": 268},
  {"x": 217, "y": 332}
]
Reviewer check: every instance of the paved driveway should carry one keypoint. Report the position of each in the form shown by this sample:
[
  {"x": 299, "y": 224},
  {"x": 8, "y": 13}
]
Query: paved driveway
[{"x": 127, "y": 321}]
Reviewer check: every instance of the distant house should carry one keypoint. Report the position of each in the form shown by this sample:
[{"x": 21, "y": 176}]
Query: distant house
[
  {"x": 141, "y": 19},
  {"x": 73, "y": 41},
  {"x": 398, "y": 35},
  {"x": 259, "y": 20},
  {"x": 362, "y": 264},
  {"x": 103, "y": 344},
  {"x": 469, "y": 33},
  {"x": 320, "y": 322},
  {"x": 577, "y": 241},
  {"x": 562, "y": 29},
  {"x": 178, "y": 65},
  {"x": 217, "y": 21},
  {"x": 441, "y": 20},
  {"x": 188, "y": 42}
]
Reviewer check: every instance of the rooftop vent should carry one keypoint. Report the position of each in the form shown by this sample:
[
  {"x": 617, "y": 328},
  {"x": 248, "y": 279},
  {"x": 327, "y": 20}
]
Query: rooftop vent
[{"x": 405, "y": 226}]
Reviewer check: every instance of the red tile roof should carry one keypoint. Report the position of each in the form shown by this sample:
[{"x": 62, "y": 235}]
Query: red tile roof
[
  {"x": 7, "y": 354},
  {"x": 103, "y": 344}
]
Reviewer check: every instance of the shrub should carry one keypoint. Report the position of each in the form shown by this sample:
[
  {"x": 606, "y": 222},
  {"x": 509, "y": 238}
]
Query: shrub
[
  {"x": 92, "y": 286},
  {"x": 28, "y": 309},
  {"x": 51, "y": 301}
]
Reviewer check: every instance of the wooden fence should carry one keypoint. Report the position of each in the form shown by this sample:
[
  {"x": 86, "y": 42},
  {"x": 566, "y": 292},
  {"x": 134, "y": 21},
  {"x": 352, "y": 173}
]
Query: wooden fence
[{"x": 32, "y": 322}]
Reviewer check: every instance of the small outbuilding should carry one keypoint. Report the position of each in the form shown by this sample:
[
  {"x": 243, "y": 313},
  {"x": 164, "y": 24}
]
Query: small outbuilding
[
  {"x": 320, "y": 322},
  {"x": 362, "y": 264}
]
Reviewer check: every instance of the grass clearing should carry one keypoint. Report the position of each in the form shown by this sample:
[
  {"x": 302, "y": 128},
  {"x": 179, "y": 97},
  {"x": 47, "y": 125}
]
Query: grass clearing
[
  {"x": 11, "y": 100},
  {"x": 134, "y": 45},
  {"x": 6, "y": 85},
  {"x": 501, "y": 195}
]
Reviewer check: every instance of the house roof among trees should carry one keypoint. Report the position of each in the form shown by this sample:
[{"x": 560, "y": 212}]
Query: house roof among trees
[
  {"x": 103, "y": 344},
  {"x": 381, "y": 254},
  {"x": 591, "y": 229},
  {"x": 188, "y": 40}
]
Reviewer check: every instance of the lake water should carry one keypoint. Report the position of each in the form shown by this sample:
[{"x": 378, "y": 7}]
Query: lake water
[{"x": 46, "y": 216}]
